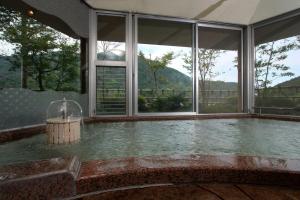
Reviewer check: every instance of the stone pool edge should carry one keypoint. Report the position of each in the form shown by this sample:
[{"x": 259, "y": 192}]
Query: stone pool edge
[{"x": 68, "y": 177}]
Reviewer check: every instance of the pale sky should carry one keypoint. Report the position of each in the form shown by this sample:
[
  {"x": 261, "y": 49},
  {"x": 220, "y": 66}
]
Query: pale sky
[
  {"x": 6, "y": 48},
  {"x": 293, "y": 61}
]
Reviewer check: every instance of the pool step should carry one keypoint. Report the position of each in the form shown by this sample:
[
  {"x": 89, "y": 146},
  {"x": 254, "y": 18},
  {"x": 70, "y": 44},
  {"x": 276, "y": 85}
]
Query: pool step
[{"x": 44, "y": 179}]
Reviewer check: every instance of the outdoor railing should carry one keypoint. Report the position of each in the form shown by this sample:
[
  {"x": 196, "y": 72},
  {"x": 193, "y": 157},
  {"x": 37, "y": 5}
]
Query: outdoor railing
[
  {"x": 262, "y": 108},
  {"x": 111, "y": 97}
]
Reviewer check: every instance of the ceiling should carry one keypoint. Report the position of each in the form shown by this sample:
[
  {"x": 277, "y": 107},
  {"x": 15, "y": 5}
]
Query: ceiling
[{"x": 243, "y": 12}]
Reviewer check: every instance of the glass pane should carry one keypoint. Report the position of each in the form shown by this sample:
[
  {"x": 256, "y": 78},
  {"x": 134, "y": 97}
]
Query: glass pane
[
  {"x": 277, "y": 70},
  {"x": 219, "y": 70},
  {"x": 164, "y": 66},
  {"x": 39, "y": 63},
  {"x": 111, "y": 91},
  {"x": 111, "y": 34}
]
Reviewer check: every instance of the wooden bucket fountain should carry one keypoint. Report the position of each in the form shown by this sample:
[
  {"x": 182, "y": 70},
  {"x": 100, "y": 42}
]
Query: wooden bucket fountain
[
  {"x": 63, "y": 131},
  {"x": 63, "y": 123}
]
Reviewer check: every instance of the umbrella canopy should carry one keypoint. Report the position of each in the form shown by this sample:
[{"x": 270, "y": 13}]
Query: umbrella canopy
[{"x": 243, "y": 12}]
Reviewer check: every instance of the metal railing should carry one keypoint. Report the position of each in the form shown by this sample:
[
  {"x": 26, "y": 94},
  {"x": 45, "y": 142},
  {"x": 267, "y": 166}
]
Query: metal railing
[{"x": 260, "y": 108}]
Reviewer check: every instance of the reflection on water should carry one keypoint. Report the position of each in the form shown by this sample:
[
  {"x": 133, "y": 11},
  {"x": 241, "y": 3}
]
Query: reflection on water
[{"x": 123, "y": 139}]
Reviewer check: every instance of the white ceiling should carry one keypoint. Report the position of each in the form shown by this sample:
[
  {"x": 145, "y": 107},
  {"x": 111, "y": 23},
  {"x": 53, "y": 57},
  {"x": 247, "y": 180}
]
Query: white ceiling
[{"x": 229, "y": 11}]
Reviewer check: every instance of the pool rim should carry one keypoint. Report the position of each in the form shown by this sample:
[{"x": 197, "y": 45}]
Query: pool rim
[{"x": 100, "y": 176}]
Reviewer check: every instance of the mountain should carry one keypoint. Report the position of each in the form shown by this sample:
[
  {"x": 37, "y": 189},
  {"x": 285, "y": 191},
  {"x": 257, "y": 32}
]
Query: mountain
[
  {"x": 292, "y": 82},
  {"x": 111, "y": 56},
  {"x": 167, "y": 78},
  {"x": 174, "y": 79}
]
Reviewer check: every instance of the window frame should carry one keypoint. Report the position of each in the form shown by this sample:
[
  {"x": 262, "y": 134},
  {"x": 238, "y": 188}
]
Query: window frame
[
  {"x": 131, "y": 66},
  {"x": 94, "y": 62}
]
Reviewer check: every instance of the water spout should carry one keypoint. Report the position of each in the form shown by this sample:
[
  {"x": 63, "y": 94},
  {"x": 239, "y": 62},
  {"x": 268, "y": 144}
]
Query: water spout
[{"x": 63, "y": 109}]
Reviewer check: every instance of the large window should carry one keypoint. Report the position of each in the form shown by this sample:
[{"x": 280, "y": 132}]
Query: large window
[
  {"x": 277, "y": 69},
  {"x": 219, "y": 70},
  {"x": 38, "y": 63},
  {"x": 165, "y": 73},
  {"x": 111, "y": 65}
]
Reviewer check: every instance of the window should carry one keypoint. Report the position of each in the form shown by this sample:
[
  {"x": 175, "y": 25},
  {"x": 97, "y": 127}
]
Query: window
[
  {"x": 111, "y": 95},
  {"x": 219, "y": 70},
  {"x": 277, "y": 70},
  {"x": 111, "y": 36},
  {"x": 111, "y": 68},
  {"x": 165, "y": 72},
  {"x": 38, "y": 63}
]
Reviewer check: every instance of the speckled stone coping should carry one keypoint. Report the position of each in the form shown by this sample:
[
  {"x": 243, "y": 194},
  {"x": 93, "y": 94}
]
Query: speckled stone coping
[
  {"x": 109, "y": 179},
  {"x": 104, "y": 175},
  {"x": 44, "y": 179},
  {"x": 20, "y": 133}
]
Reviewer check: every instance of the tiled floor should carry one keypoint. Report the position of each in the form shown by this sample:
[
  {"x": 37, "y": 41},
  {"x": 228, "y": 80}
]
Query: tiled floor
[{"x": 200, "y": 192}]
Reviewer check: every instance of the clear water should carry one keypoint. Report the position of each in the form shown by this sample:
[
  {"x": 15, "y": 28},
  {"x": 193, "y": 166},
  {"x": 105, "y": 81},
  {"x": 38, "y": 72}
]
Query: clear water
[{"x": 123, "y": 139}]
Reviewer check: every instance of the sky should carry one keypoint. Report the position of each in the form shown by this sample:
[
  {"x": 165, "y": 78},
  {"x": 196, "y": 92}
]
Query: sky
[
  {"x": 6, "y": 48},
  {"x": 293, "y": 62}
]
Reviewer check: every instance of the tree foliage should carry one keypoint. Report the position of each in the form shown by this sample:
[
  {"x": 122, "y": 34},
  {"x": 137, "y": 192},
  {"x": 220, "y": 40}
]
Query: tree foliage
[
  {"x": 206, "y": 59},
  {"x": 156, "y": 64},
  {"x": 47, "y": 58},
  {"x": 270, "y": 63}
]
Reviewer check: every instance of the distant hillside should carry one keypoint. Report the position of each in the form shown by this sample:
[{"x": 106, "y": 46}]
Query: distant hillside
[
  {"x": 166, "y": 78},
  {"x": 8, "y": 78},
  {"x": 110, "y": 56},
  {"x": 292, "y": 82},
  {"x": 172, "y": 78}
]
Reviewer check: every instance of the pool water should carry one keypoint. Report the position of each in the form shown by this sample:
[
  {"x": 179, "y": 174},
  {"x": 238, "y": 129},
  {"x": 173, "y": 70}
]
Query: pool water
[{"x": 258, "y": 137}]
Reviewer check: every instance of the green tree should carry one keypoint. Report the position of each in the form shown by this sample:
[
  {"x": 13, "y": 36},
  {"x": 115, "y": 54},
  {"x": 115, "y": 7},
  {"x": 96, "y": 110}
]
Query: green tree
[
  {"x": 269, "y": 63},
  {"x": 66, "y": 70},
  {"x": 40, "y": 51},
  {"x": 206, "y": 63},
  {"x": 157, "y": 64}
]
